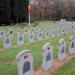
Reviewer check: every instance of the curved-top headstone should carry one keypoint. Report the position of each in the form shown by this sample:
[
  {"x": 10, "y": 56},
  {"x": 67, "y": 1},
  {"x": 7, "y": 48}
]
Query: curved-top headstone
[
  {"x": 1, "y": 33},
  {"x": 18, "y": 30},
  {"x": 62, "y": 49},
  {"x": 53, "y": 33},
  {"x": 25, "y": 30},
  {"x": 47, "y": 34},
  {"x": 47, "y": 56},
  {"x": 40, "y": 35},
  {"x": 7, "y": 41},
  {"x": 58, "y": 32},
  {"x": 11, "y": 31},
  {"x": 31, "y": 37},
  {"x": 37, "y": 29},
  {"x": 25, "y": 63},
  {"x": 72, "y": 45},
  {"x": 20, "y": 39},
  {"x": 63, "y": 32}
]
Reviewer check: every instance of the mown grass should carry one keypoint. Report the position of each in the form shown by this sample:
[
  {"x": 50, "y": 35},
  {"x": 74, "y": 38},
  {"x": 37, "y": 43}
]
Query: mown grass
[{"x": 67, "y": 69}]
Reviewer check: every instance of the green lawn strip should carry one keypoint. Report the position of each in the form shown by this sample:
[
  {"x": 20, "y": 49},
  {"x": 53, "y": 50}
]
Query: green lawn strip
[{"x": 67, "y": 69}]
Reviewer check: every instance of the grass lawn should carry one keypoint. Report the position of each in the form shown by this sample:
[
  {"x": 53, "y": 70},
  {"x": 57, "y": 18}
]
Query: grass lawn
[
  {"x": 67, "y": 69},
  {"x": 8, "y": 62}
]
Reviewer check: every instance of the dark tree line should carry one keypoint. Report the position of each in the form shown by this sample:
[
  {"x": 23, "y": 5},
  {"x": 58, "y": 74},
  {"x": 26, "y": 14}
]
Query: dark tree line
[
  {"x": 64, "y": 9},
  {"x": 13, "y": 11}
]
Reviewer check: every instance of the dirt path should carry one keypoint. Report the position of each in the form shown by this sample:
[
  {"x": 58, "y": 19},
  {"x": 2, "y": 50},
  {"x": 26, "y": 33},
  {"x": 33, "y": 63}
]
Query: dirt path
[{"x": 56, "y": 65}]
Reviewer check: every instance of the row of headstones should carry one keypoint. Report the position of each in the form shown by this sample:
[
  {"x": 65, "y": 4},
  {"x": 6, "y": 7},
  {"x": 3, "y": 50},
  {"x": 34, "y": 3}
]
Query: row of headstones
[
  {"x": 71, "y": 26},
  {"x": 25, "y": 58},
  {"x": 58, "y": 30},
  {"x": 20, "y": 38},
  {"x": 53, "y": 31},
  {"x": 61, "y": 23}
]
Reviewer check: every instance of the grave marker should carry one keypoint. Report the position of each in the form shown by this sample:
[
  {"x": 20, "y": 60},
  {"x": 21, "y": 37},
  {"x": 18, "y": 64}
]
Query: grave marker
[
  {"x": 47, "y": 57},
  {"x": 11, "y": 32},
  {"x": 53, "y": 33},
  {"x": 20, "y": 40},
  {"x": 7, "y": 41},
  {"x": 58, "y": 32},
  {"x": 31, "y": 37},
  {"x": 47, "y": 34},
  {"x": 39, "y": 35},
  {"x": 25, "y": 30},
  {"x": 72, "y": 45},
  {"x": 18, "y": 30},
  {"x": 62, "y": 49},
  {"x": 63, "y": 32},
  {"x": 1, "y": 33},
  {"x": 25, "y": 63}
]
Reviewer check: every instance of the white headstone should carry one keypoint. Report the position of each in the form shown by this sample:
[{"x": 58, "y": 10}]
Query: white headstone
[
  {"x": 7, "y": 41},
  {"x": 31, "y": 37},
  {"x": 47, "y": 34},
  {"x": 42, "y": 28},
  {"x": 53, "y": 33},
  {"x": 11, "y": 32},
  {"x": 1, "y": 33},
  {"x": 47, "y": 56},
  {"x": 18, "y": 30},
  {"x": 72, "y": 45},
  {"x": 39, "y": 35},
  {"x": 62, "y": 49},
  {"x": 37, "y": 29},
  {"x": 63, "y": 32},
  {"x": 25, "y": 30},
  {"x": 25, "y": 63},
  {"x": 58, "y": 32},
  {"x": 20, "y": 39}
]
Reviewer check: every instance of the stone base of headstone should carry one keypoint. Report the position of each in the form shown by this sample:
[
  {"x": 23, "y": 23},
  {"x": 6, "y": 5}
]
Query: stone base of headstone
[
  {"x": 72, "y": 52},
  {"x": 64, "y": 57}
]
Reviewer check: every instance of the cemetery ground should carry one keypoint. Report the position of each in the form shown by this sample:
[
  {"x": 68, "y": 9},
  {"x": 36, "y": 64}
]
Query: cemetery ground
[{"x": 8, "y": 64}]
